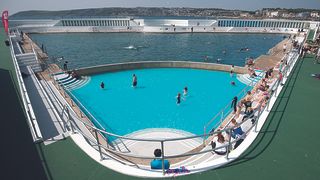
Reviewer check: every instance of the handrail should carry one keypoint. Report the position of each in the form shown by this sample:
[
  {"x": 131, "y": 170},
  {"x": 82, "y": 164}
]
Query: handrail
[{"x": 32, "y": 121}]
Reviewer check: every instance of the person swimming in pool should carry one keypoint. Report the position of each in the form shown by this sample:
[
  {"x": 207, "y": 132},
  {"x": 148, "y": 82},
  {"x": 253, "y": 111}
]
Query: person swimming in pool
[
  {"x": 233, "y": 83},
  {"x": 134, "y": 80},
  {"x": 102, "y": 85},
  {"x": 185, "y": 91},
  {"x": 178, "y": 98}
]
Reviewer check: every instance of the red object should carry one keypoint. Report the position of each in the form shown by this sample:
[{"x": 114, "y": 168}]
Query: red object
[{"x": 5, "y": 20}]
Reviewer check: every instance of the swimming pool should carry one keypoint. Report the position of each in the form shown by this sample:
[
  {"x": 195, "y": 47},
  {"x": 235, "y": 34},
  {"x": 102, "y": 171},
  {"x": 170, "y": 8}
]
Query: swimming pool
[{"x": 122, "y": 109}]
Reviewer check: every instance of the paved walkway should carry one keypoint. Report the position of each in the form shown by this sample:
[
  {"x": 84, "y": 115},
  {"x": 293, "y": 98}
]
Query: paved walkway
[{"x": 266, "y": 62}]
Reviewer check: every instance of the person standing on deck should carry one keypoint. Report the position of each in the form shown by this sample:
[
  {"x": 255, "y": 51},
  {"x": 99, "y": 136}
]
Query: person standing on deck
[
  {"x": 234, "y": 104},
  {"x": 232, "y": 70},
  {"x": 284, "y": 47},
  {"x": 65, "y": 66}
]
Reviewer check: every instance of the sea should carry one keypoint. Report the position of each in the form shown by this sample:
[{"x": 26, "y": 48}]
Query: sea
[{"x": 92, "y": 49}]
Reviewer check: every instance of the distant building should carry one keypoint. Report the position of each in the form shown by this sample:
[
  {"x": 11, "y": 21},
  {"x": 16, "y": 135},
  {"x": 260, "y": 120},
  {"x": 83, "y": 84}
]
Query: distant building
[
  {"x": 245, "y": 15},
  {"x": 273, "y": 14},
  {"x": 287, "y": 15},
  {"x": 303, "y": 15},
  {"x": 314, "y": 14}
]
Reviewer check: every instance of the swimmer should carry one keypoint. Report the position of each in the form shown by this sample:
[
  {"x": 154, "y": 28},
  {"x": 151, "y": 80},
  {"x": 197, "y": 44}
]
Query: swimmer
[
  {"x": 224, "y": 52},
  {"x": 178, "y": 98},
  {"x": 102, "y": 85},
  {"x": 233, "y": 83},
  {"x": 206, "y": 58},
  {"x": 244, "y": 49},
  {"x": 185, "y": 91},
  {"x": 218, "y": 60},
  {"x": 134, "y": 80}
]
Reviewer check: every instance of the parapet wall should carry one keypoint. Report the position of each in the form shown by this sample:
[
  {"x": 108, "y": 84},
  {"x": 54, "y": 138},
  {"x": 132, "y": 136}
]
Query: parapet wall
[{"x": 158, "y": 64}]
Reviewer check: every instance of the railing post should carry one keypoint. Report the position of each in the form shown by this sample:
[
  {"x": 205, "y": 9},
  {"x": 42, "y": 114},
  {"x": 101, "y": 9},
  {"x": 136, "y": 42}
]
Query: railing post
[
  {"x": 257, "y": 119},
  {"x": 229, "y": 143},
  {"x": 269, "y": 102},
  {"x": 221, "y": 117},
  {"x": 98, "y": 142},
  {"x": 69, "y": 120},
  {"x": 275, "y": 91},
  {"x": 162, "y": 157}
]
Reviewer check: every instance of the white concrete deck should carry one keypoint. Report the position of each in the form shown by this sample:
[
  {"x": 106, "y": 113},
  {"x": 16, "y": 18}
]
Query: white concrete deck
[{"x": 146, "y": 148}]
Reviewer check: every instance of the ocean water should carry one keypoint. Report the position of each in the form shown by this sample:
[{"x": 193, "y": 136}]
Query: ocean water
[
  {"x": 91, "y": 49},
  {"x": 122, "y": 109}
]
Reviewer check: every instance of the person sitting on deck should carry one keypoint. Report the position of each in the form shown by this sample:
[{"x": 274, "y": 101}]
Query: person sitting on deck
[
  {"x": 220, "y": 142},
  {"x": 157, "y": 162},
  {"x": 263, "y": 86},
  {"x": 250, "y": 62},
  {"x": 74, "y": 74},
  {"x": 252, "y": 73},
  {"x": 248, "y": 114},
  {"x": 236, "y": 129}
]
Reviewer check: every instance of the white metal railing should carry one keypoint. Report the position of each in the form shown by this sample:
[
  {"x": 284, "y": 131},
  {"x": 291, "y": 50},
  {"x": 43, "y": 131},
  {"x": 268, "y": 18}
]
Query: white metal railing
[{"x": 31, "y": 118}]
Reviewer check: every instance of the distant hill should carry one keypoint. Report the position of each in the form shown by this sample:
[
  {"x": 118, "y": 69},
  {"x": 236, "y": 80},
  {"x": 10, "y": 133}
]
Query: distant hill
[
  {"x": 124, "y": 12},
  {"x": 148, "y": 11}
]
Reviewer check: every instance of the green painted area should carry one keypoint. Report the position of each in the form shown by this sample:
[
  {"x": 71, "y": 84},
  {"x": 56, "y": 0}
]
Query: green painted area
[
  {"x": 310, "y": 35},
  {"x": 5, "y": 56},
  {"x": 286, "y": 148}
]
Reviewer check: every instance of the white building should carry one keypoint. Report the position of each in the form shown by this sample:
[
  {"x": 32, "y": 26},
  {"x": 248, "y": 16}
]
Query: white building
[{"x": 315, "y": 14}]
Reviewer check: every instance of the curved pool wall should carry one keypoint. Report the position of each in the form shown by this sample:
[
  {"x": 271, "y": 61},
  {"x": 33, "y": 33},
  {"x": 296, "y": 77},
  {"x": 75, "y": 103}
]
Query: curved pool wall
[
  {"x": 215, "y": 95},
  {"x": 158, "y": 64}
]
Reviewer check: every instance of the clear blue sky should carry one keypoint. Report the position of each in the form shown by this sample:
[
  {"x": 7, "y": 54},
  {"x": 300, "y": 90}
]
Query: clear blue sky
[{"x": 22, "y": 5}]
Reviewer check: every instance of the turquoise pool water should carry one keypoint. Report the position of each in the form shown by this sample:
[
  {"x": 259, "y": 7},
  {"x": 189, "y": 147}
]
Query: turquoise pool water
[{"x": 122, "y": 109}]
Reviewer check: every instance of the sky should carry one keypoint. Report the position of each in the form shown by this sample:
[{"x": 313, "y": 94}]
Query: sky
[{"x": 14, "y": 6}]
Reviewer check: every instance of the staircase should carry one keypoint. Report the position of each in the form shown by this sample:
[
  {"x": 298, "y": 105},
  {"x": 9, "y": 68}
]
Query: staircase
[
  {"x": 29, "y": 59},
  {"x": 246, "y": 79},
  {"x": 70, "y": 82}
]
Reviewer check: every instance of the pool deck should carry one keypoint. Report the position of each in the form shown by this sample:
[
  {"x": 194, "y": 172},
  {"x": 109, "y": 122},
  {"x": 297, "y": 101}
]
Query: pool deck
[
  {"x": 265, "y": 62},
  {"x": 273, "y": 155}
]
